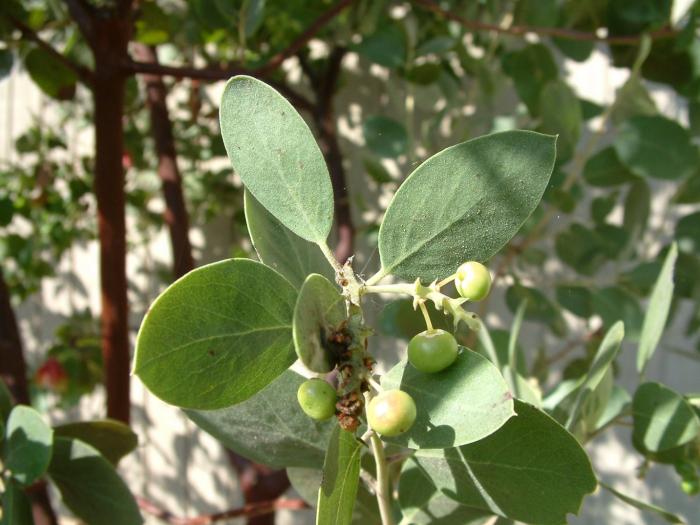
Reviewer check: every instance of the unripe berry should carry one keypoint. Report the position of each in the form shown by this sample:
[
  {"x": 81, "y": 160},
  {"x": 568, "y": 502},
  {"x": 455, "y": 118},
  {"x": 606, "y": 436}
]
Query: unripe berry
[
  {"x": 432, "y": 350},
  {"x": 473, "y": 281},
  {"x": 317, "y": 399},
  {"x": 391, "y": 413}
]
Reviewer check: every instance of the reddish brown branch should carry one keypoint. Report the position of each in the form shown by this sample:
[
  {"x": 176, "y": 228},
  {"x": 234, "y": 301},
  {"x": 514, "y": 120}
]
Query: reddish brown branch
[
  {"x": 213, "y": 74},
  {"x": 13, "y": 372},
  {"x": 83, "y": 73},
  {"x": 307, "y": 35},
  {"x": 176, "y": 216},
  {"x": 249, "y": 510},
  {"x": 568, "y": 34}
]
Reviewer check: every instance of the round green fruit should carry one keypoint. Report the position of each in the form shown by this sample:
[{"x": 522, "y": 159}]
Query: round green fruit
[
  {"x": 391, "y": 413},
  {"x": 690, "y": 486},
  {"x": 473, "y": 281},
  {"x": 432, "y": 350},
  {"x": 317, "y": 399}
]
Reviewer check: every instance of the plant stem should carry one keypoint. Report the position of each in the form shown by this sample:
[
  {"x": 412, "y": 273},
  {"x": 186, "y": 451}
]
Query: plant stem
[
  {"x": 383, "y": 494},
  {"x": 328, "y": 253},
  {"x": 401, "y": 288},
  {"x": 446, "y": 281},
  {"x": 376, "y": 277},
  {"x": 426, "y": 316}
]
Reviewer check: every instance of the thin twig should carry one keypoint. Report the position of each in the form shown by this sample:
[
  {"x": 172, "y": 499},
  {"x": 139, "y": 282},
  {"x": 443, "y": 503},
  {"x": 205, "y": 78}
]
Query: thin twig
[
  {"x": 215, "y": 74},
  {"x": 83, "y": 14},
  {"x": 249, "y": 510},
  {"x": 83, "y": 73},
  {"x": 307, "y": 35},
  {"x": 568, "y": 34}
]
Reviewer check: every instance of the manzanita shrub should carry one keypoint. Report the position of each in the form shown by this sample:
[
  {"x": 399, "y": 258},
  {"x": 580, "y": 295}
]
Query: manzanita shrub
[{"x": 448, "y": 434}]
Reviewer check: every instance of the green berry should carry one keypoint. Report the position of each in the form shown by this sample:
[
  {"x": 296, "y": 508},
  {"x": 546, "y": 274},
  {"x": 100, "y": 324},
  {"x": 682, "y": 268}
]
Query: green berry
[
  {"x": 473, "y": 281},
  {"x": 317, "y": 399},
  {"x": 690, "y": 486},
  {"x": 432, "y": 350},
  {"x": 391, "y": 413}
]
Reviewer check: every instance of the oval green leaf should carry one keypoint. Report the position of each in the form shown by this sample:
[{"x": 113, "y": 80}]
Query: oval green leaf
[
  {"x": 270, "y": 427},
  {"x": 113, "y": 439},
  {"x": 90, "y": 486},
  {"x": 463, "y": 403},
  {"x": 657, "y": 310},
  {"x": 656, "y": 147},
  {"x": 319, "y": 310},
  {"x": 280, "y": 248},
  {"x": 465, "y": 203},
  {"x": 384, "y": 136},
  {"x": 275, "y": 154},
  {"x": 341, "y": 477},
  {"x": 531, "y": 470},
  {"x": 662, "y": 418},
  {"x": 217, "y": 335},
  {"x": 28, "y": 444}
]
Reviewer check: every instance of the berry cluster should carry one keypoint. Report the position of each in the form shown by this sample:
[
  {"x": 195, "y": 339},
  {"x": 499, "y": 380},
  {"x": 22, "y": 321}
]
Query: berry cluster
[{"x": 392, "y": 412}]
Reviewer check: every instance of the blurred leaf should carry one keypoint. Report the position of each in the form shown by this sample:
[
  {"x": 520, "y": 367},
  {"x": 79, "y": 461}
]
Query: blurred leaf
[
  {"x": 5, "y": 402},
  {"x": 688, "y": 233},
  {"x": 90, "y": 486},
  {"x": 531, "y": 68},
  {"x": 6, "y": 62},
  {"x": 637, "y": 210},
  {"x": 253, "y": 12},
  {"x": 581, "y": 248},
  {"x": 619, "y": 401},
  {"x": 386, "y": 47},
  {"x": 52, "y": 76},
  {"x": 111, "y": 438},
  {"x": 632, "y": 99},
  {"x": 438, "y": 45},
  {"x": 657, "y": 311},
  {"x": 16, "y": 507},
  {"x": 539, "y": 307},
  {"x": 590, "y": 109},
  {"x": 384, "y": 136},
  {"x": 270, "y": 427},
  {"x": 560, "y": 114},
  {"x": 662, "y": 418},
  {"x": 537, "y": 13},
  {"x": 614, "y": 304},
  {"x": 604, "y": 169},
  {"x": 577, "y": 299},
  {"x": 689, "y": 190},
  {"x": 656, "y": 147},
  {"x": 28, "y": 445},
  {"x": 376, "y": 170},
  {"x": 152, "y": 25}
]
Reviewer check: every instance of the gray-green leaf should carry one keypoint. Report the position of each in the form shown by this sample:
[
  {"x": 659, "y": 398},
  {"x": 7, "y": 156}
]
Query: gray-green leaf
[
  {"x": 341, "y": 475},
  {"x": 662, "y": 418},
  {"x": 464, "y": 203},
  {"x": 90, "y": 486},
  {"x": 656, "y": 147},
  {"x": 217, "y": 335},
  {"x": 657, "y": 311},
  {"x": 319, "y": 310},
  {"x": 275, "y": 154},
  {"x": 463, "y": 403},
  {"x": 280, "y": 248},
  {"x": 531, "y": 470},
  {"x": 270, "y": 427},
  {"x": 28, "y": 445}
]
